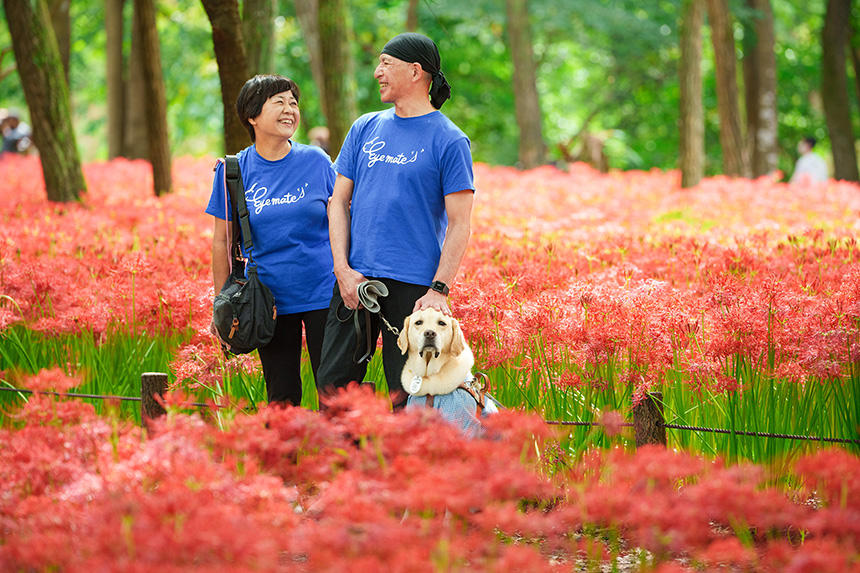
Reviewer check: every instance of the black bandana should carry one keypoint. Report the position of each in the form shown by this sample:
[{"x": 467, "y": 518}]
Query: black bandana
[{"x": 411, "y": 47}]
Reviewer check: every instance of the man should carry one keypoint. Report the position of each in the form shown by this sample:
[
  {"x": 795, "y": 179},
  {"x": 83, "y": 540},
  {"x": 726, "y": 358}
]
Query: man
[
  {"x": 400, "y": 212},
  {"x": 810, "y": 167}
]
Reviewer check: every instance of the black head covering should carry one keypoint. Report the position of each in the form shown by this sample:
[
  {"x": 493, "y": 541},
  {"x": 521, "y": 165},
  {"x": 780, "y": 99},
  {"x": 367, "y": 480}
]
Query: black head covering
[{"x": 411, "y": 47}]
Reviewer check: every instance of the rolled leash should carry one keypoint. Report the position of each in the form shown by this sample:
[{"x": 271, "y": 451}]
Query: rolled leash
[{"x": 369, "y": 292}]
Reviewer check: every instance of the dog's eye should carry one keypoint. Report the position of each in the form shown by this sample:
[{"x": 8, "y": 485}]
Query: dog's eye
[
  {"x": 442, "y": 323},
  {"x": 419, "y": 322}
]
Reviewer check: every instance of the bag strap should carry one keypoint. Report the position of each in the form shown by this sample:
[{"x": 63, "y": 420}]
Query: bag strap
[{"x": 241, "y": 216}]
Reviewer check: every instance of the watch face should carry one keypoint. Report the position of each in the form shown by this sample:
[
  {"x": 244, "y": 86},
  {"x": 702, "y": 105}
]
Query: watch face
[{"x": 439, "y": 286}]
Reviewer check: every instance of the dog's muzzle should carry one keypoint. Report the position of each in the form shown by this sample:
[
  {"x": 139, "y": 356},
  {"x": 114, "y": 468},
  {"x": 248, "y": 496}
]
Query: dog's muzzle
[{"x": 429, "y": 345}]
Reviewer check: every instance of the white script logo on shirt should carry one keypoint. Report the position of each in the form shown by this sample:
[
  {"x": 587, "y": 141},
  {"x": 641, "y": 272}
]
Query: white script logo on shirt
[
  {"x": 374, "y": 146},
  {"x": 257, "y": 195}
]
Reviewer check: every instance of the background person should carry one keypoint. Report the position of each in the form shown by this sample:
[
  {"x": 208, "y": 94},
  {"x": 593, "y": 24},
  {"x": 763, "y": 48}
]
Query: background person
[
  {"x": 17, "y": 135},
  {"x": 810, "y": 167},
  {"x": 319, "y": 136},
  {"x": 400, "y": 211},
  {"x": 287, "y": 188}
]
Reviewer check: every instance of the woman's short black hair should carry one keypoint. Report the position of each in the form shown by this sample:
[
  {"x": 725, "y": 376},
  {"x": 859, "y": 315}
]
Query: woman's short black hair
[{"x": 254, "y": 94}]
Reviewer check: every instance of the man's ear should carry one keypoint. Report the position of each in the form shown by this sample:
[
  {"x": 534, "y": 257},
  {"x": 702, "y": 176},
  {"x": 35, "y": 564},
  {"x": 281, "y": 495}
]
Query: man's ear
[
  {"x": 458, "y": 342},
  {"x": 403, "y": 339}
]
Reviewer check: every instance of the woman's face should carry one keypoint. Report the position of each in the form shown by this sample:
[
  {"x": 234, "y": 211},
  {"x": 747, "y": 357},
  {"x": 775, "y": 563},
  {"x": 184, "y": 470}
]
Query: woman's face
[{"x": 279, "y": 117}]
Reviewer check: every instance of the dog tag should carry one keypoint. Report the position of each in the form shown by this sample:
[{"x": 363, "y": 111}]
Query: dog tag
[{"x": 415, "y": 384}]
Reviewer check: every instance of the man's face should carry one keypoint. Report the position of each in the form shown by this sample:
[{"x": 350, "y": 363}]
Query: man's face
[
  {"x": 803, "y": 147},
  {"x": 393, "y": 76}
]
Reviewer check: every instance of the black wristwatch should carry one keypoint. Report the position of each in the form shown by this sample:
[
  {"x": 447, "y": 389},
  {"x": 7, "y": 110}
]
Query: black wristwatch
[{"x": 439, "y": 286}]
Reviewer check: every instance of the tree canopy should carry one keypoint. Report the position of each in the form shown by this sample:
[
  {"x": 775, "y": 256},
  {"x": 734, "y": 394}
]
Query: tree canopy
[{"x": 608, "y": 66}]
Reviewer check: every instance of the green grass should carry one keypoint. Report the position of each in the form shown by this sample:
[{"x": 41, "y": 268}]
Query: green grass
[
  {"x": 822, "y": 408},
  {"x": 819, "y": 408},
  {"x": 112, "y": 367}
]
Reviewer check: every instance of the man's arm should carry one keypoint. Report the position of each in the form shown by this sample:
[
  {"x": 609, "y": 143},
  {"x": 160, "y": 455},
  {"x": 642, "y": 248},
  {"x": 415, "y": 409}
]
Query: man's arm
[
  {"x": 459, "y": 208},
  {"x": 348, "y": 278}
]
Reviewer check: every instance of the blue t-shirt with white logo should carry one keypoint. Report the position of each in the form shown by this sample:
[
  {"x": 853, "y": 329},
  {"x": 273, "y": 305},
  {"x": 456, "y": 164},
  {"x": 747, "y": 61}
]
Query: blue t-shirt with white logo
[
  {"x": 287, "y": 201},
  {"x": 402, "y": 168}
]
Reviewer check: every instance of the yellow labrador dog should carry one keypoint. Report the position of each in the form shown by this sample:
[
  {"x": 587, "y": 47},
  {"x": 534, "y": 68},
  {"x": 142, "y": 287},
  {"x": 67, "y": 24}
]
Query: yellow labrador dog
[
  {"x": 438, "y": 370},
  {"x": 438, "y": 359}
]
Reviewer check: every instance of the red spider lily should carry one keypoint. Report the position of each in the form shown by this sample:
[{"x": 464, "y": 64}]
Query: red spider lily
[
  {"x": 357, "y": 487},
  {"x": 831, "y": 474},
  {"x": 51, "y": 379},
  {"x": 611, "y": 422},
  {"x": 625, "y": 266}
]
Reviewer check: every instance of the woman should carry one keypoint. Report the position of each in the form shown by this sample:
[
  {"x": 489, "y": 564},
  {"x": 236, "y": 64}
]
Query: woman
[{"x": 287, "y": 187}]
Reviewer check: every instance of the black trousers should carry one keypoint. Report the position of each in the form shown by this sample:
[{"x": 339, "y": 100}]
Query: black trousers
[
  {"x": 342, "y": 347},
  {"x": 282, "y": 357}
]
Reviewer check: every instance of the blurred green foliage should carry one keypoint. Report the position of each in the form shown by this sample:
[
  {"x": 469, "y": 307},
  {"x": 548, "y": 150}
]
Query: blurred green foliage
[{"x": 615, "y": 61}]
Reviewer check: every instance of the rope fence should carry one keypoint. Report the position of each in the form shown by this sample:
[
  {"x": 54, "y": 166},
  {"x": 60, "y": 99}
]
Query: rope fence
[
  {"x": 762, "y": 434},
  {"x": 105, "y": 397},
  {"x": 648, "y": 423},
  {"x": 72, "y": 395},
  {"x": 715, "y": 431}
]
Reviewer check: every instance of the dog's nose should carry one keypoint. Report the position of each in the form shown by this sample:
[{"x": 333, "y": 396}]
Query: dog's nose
[{"x": 429, "y": 334}]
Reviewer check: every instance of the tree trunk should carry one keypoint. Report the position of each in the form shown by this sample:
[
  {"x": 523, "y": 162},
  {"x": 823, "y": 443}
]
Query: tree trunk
[
  {"x": 834, "y": 89},
  {"x": 307, "y": 12},
  {"x": 692, "y": 152},
  {"x": 731, "y": 135},
  {"x": 232, "y": 67},
  {"x": 338, "y": 88},
  {"x": 412, "y": 16},
  {"x": 135, "y": 131},
  {"x": 760, "y": 88},
  {"x": 61, "y": 21},
  {"x": 532, "y": 149},
  {"x": 855, "y": 60},
  {"x": 47, "y": 93},
  {"x": 156, "y": 102},
  {"x": 113, "y": 75},
  {"x": 258, "y": 30}
]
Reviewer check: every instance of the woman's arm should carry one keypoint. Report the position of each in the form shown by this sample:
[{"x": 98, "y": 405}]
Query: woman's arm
[{"x": 220, "y": 254}]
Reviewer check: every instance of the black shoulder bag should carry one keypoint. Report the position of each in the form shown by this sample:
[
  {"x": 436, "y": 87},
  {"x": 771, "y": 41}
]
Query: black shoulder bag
[{"x": 244, "y": 311}]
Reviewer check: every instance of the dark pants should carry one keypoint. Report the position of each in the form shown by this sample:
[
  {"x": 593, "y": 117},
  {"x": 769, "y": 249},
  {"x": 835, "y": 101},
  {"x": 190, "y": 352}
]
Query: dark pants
[
  {"x": 282, "y": 357},
  {"x": 342, "y": 347}
]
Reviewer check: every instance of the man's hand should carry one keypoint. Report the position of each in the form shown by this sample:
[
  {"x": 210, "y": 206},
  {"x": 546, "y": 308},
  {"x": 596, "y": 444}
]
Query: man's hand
[
  {"x": 348, "y": 281},
  {"x": 433, "y": 299}
]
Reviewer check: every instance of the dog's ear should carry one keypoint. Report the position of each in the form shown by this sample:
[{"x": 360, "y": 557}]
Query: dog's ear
[
  {"x": 403, "y": 338},
  {"x": 458, "y": 342}
]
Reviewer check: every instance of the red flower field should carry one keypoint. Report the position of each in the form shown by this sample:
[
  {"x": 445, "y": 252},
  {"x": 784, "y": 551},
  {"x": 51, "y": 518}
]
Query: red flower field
[{"x": 580, "y": 292}]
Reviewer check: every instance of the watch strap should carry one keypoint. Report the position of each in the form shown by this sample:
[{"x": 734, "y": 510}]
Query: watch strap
[{"x": 440, "y": 287}]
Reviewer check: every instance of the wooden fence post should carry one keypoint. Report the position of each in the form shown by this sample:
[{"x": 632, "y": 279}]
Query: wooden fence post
[
  {"x": 151, "y": 383},
  {"x": 648, "y": 420}
]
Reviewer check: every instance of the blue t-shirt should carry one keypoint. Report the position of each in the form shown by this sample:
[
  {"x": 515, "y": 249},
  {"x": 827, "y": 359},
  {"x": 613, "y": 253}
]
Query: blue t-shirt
[
  {"x": 287, "y": 202},
  {"x": 402, "y": 168}
]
